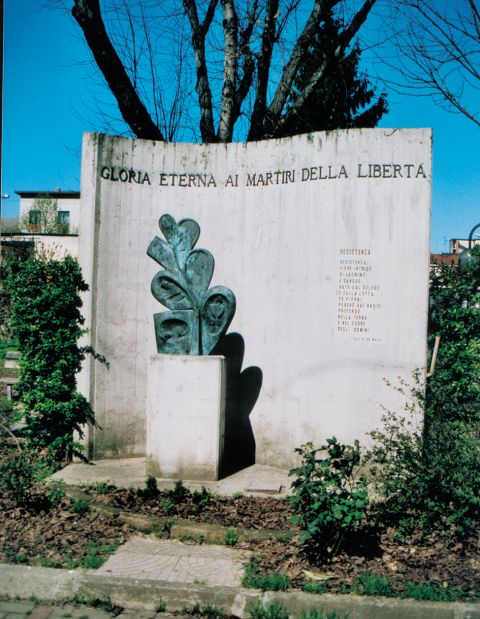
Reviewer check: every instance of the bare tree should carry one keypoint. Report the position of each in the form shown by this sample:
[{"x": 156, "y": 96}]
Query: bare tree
[
  {"x": 243, "y": 56},
  {"x": 439, "y": 45},
  {"x": 42, "y": 216}
]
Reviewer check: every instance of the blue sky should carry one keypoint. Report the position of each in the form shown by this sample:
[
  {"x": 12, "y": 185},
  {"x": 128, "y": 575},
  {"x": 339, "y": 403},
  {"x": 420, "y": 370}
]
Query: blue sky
[{"x": 49, "y": 100}]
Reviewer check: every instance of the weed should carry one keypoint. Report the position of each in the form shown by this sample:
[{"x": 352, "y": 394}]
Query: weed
[
  {"x": 270, "y": 582},
  {"x": 105, "y": 603},
  {"x": 96, "y": 555},
  {"x": 432, "y": 592},
  {"x": 202, "y": 497},
  {"x": 102, "y": 487},
  {"x": 372, "y": 584},
  {"x": 231, "y": 537},
  {"x": 315, "y": 613},
  {"x": 178, "y": 493},
  {"x": 21, "y": 557},
  {"x": 237, "y": 495},
  {"x": 151, "y": 490},
  {"x": 208, "y": 610},
  {"x": 56, "y": 492},
  {"x": 160, "y": 606},
  {"x": 80, "y": 507},
  {"x": 47, "y": 562},
  {"x": 168, "y": 507},
  {"x": 272, "y": 611},
  {"x": 313, "y": 586}
]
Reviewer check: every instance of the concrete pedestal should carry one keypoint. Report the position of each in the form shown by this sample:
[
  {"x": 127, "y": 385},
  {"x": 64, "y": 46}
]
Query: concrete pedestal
[{"x": 185, "y": 410}]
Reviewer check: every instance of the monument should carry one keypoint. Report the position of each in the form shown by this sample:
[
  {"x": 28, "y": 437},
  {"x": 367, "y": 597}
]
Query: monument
[
  {"x": 186, "y": 397},
  {"x": 199, "y": 316},
  {"x": 323, "y": 237}
]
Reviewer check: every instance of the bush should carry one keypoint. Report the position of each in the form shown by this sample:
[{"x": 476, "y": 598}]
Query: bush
[
  {"x": 17, "y": 478},
  {"x": 429, "y": 476},
  {"x": 329, "y": 501},
  {"x": 47, "y": 322}
]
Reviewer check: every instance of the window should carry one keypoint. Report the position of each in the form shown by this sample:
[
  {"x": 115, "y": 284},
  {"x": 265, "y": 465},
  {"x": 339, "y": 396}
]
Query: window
[
  {"x": 63, "y": 217},
  {"x": 34, "y": 218}
]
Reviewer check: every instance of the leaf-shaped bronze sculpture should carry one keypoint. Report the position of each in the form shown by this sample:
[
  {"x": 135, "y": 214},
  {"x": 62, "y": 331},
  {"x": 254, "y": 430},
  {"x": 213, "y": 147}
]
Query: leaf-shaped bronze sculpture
[
  {"x": 199, "y": 316},
  {"x": 162, "y": 253},
  {"x": 173, "y": 331},
  {"x": 167, "y": 289},
  {"x": 216, "y": 315},
  {"x": 199, "y": 270}
]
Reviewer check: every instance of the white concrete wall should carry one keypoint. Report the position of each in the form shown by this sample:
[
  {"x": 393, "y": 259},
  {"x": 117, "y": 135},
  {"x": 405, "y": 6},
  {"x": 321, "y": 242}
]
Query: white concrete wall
[
  {"x": 328, "y": 239},
  {"x": 55, "y": 246}
]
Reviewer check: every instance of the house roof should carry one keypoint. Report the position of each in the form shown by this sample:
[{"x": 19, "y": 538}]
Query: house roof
[{"x": 56, "y": 193}]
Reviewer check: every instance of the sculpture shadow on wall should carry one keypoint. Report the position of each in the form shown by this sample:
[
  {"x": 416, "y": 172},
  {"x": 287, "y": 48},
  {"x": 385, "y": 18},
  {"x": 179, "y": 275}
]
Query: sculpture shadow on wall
[{"x": 243, "y": 389}]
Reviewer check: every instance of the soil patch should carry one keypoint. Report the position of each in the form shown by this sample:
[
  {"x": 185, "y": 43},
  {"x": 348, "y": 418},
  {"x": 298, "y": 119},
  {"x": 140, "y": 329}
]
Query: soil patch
[{"x": 71, "y": 535}]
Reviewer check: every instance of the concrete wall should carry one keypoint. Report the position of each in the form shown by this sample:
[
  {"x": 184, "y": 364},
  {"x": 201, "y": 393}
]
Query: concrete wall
[{"x": 323, "y": 238}]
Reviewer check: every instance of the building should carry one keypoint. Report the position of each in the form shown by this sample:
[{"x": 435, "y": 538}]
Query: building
[
  {"x": 68, "y": 209},
  {"x": 61, "y": 239}
]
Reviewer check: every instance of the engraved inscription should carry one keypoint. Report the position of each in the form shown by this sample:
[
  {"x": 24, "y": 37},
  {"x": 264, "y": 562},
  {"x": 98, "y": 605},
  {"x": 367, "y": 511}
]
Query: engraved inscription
[{"x": 358, "y": 296}]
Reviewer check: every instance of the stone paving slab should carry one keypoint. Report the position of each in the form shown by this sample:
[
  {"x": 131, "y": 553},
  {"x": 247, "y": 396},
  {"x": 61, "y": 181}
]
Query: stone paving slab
[{"x": 148, "y": 558}]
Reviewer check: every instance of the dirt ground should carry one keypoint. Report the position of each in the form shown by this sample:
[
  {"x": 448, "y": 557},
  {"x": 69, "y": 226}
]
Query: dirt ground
[{"x": 70, "y": 534}]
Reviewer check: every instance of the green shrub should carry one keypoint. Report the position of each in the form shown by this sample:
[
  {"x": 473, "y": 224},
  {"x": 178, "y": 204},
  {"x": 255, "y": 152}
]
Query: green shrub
[
  {"x": 151, "y": 490},
  {"x": 428, "y": 476},
  {"x": 202, "y": 497},
  {"x": 47, "y": 322},
  {"x": 168, "y": 507},
  {"x": 178, "y": 493},
  {"x": 328, "y": 500},
  {"x": 427, "y": 479},
  {"x": 17, "y": 478}
]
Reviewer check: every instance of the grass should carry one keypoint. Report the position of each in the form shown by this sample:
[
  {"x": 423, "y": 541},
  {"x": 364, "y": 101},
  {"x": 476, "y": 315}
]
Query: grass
[
  {"x": 207, "y": 610},
  {"x": 231, "y": 537},
  {"x": 270, "y": 582},
  {"x": 271, "y": 611},
  {"x": 277, "y": 611}
]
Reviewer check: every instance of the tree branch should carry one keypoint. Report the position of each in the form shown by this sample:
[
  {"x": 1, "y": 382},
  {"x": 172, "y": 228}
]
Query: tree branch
[
  {"x": 344, "y": 40},
  {"x": 88, "y": 15},
  {"x": 263, "y": 71},
  {"x": 301, "y": 46},
  {"x": 230, "y": 31},
  {"x": 199, "y": 32}
]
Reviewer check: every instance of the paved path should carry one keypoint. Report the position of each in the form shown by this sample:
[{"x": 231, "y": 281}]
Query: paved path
[{"x": 149, "y": 558}]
